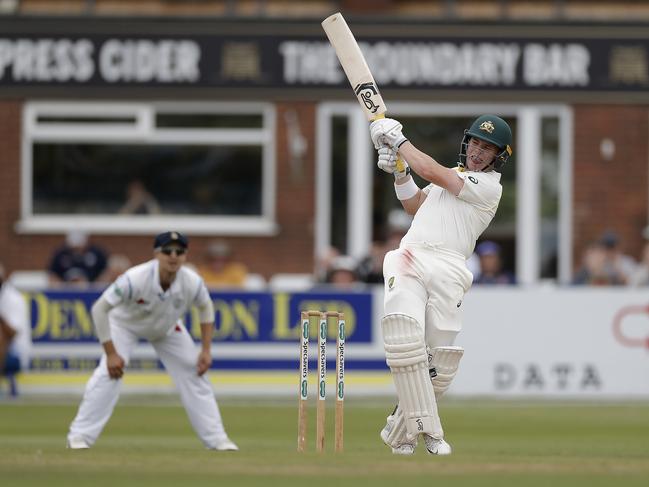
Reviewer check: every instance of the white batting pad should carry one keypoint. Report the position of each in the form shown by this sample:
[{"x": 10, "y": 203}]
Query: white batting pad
[
  {"x": 394, "y": 432},
  {"x": 443, "y": 363},
  {"x": 405, "y": 353}
]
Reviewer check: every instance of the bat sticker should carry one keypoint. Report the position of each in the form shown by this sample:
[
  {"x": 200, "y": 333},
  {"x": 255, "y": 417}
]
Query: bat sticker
[{"x": 366, "y": 91}]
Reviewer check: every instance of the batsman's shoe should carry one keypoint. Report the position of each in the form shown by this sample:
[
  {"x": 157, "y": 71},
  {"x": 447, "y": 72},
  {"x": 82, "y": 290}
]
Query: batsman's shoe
[
  {"x": 437, "y": 446},
  {"x": 226, "y": 444},
  {"x": 77, "y": 443}
]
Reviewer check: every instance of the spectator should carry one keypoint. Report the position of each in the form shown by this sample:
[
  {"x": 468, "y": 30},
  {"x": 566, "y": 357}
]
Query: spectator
[
  {"x": 342, "y": 273},
  {"x": 139, "y": 201},
  {"x": 370, "y": 269},
  {"x": 77, "y": 261},
  {"x": 641, "y": 275},
  {"x": 491, "y": 271},
  {"x": 323, "y": 263},
  {"x": 220, "y": 270},
  {"x": 617, "y": 266},
  {"x": 15, "y": 332},
  {"x": 591, "y": 272}
]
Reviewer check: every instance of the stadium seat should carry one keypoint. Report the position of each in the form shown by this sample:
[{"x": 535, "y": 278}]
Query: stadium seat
[
  {"x": 255, "y": 282},
  {"x": 291, "y": 282}
]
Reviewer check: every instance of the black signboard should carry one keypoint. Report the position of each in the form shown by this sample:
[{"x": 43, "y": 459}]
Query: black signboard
[{"x": 297, "y": 62}]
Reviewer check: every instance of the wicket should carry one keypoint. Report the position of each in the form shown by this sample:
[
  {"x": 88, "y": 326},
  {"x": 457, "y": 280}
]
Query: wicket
[{"x": 322, "y": 322}]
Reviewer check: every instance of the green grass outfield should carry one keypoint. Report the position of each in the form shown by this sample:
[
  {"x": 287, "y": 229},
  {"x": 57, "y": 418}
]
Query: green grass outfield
[{"x": 149, "y": 442}]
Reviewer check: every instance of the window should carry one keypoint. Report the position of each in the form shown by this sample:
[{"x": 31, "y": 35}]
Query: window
[
  {"x": 203, "y": 168},
  {"x": 533, "y": 224}
]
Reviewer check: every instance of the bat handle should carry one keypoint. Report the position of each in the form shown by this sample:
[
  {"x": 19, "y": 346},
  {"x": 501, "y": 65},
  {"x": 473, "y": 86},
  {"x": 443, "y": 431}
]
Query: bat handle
[{"x": 400, "y": 164}]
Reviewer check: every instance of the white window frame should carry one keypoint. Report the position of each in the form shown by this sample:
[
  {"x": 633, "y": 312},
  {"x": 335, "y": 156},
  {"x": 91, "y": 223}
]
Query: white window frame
[
  {"x": 144, "y": 131},
  {"x": 527, "y": 146}
]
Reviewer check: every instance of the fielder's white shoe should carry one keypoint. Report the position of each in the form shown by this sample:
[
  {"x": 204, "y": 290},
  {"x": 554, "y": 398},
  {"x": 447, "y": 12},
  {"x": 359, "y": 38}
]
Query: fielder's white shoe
[
  {"x": 404, "y": 448},
  {"x": 226, "y": 444},
  {"x": 77, "y": 443},
  {"x": 436, "y": 446}
]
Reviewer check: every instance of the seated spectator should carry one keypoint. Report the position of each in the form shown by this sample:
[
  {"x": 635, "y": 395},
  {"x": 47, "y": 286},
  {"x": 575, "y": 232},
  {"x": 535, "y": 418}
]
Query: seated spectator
[
  {"x": 491, "y": 271},
  {"x": 220, "y": 270},
  {"x": 323, "y": 263},
  {"x": 139, "y": 201},
  {"x": 15, "y": 330},
  {"x": 641, "y": 275},
  {"x": 343, "y": 273},
  {"x": 370, "y": 268},
  {"x": 117, "y": 265},
  {"x": 77, "y": 261},
  {"x": 618, "y": 266},
  {"x": 591, "y": 272}
]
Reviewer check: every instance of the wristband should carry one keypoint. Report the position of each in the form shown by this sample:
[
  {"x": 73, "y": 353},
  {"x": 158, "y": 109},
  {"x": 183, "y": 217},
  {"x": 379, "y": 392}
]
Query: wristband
[
  {"x": 400, "y": 142},
  {"x": 407, "y": 190}
]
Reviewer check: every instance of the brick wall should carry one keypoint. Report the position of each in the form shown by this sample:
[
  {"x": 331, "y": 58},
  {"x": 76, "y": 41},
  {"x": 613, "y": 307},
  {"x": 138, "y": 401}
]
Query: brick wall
[{"x": 610, "y": 194}]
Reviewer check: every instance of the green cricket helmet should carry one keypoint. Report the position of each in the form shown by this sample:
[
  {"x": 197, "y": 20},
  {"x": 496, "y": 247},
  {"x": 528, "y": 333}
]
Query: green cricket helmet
[{"x": 494, "y": 130}]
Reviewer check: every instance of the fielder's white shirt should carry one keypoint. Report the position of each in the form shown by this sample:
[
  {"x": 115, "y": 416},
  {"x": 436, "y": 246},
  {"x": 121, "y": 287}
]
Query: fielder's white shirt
[
  {"x": 13, "y": 311},
  {"x": 141, "y": 306},
  {"x": 456, "y": 222}
]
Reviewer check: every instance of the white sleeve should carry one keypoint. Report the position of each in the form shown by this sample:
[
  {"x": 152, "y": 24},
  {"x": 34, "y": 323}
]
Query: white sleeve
[
  {"x": 480, "y": 190},
  {"x": 13, "y": 310},
  {"x": 100, "y": 318},
  {"x": 204, "y": 303},
  {"x": 121, "y": 291}
]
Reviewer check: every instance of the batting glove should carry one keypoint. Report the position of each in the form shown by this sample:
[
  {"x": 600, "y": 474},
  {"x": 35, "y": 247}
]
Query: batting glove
[
  {"x": 388, "y": 162},
  {"x": 386, "y": 131}
]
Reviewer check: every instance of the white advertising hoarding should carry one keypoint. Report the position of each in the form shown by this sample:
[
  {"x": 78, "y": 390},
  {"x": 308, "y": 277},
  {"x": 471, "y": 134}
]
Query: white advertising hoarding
[{"x": 585, "y": 342}]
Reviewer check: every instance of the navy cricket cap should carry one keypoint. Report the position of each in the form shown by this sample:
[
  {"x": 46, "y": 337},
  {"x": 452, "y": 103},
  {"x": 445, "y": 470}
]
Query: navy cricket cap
[{"x": 166, "y": 238}]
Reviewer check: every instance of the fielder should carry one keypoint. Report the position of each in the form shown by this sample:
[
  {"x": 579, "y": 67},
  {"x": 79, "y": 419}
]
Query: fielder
[
  {"x": 15, "y": 329},
  {"x": 147, "y": 301},
  {"x": 426, "y": 277}
]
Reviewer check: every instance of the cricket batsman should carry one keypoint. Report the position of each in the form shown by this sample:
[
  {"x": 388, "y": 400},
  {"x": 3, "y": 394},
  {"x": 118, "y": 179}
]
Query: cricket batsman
[{"x": 426, "y": 277}]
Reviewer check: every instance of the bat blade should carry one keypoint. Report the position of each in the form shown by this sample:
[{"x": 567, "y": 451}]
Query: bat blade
[
  {"x": 353, "y": 62},
  {"x": 355, "y": 66}
]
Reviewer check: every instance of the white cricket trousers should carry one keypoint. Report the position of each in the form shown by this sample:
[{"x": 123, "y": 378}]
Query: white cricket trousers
[
  {"x": 427, "y": 283},
  {"x": 179, "y": 354}
]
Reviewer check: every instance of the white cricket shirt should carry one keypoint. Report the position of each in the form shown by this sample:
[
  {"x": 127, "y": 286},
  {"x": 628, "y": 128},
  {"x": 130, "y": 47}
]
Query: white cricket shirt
[
  {"x": 141, "y": 306},
  {"x": 455, "y": 222},
  {"x": 13, "y": 311}
]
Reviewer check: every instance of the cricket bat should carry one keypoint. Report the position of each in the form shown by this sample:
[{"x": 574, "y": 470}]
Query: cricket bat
[{"x": 356, "y": 68}]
